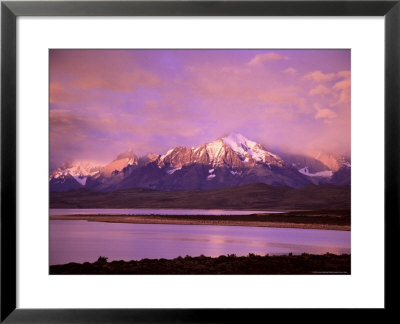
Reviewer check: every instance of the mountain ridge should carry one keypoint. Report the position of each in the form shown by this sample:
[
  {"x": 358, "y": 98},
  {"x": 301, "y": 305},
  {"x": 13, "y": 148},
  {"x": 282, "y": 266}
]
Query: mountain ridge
[{"x": 232, "y": 160}]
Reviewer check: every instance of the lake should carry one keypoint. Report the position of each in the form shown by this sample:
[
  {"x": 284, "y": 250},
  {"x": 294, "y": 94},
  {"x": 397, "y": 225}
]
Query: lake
[
  {"x": 144, "y": 211},
  {"x": 81, "y": 241}
]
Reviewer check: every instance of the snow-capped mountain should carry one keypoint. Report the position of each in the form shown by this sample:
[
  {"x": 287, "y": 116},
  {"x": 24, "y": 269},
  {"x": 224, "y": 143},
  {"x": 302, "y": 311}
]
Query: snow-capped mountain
[
  {"x": 251, "y": 151},
  {"x": 333, "y": 161},
  {"x": 233, "y": 151},
  {"x": 227, "y": 161},
  {"x": 73, "y": 175},
  {"x": 114, "y": 172},
  {"x": 122, "y": 161},
  {"x": 338, "y": 172},
  {"x": 321, "y": 167},
  {"x": 76, "y": 169}
]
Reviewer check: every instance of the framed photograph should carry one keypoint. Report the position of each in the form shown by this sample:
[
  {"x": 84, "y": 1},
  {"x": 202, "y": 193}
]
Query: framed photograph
[{"x": 173, "y": 161}]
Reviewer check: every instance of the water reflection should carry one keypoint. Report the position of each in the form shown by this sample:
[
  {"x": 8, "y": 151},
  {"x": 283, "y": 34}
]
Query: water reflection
[{"x": 81, "y": 241}]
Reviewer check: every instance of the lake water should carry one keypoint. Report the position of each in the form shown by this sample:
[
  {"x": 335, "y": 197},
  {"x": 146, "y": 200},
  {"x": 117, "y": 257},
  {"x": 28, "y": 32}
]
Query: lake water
[
  {"x": 144, "y": 211},
  {"x": 81, "y": 241}
]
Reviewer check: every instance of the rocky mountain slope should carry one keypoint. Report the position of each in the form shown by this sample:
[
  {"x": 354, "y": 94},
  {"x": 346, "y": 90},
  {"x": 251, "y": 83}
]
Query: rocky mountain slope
[{"x": 228, "y": 161}]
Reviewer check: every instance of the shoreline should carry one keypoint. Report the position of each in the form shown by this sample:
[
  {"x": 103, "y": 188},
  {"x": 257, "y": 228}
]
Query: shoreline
[{"x": 286, "y": 220}]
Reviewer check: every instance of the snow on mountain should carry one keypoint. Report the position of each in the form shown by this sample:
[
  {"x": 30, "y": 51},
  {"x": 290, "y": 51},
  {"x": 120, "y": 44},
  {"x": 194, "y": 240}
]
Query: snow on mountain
[
  {"x": 81, "y": 180},
  {"x": 227, "y": 161},
  {"x": 77, "y": 169},
  {"x": 323, "y": 174},
  {"x": 233, "y": 151},
  {"x": 211, "y": 174},
  {"x": 77, "y": 174},
  {"x": 246, "y": 148},
  {"x": 173, "y": 170},
  {"x": 167, "y": 154},
  {"x": 73, "y": 175},
  {"x": 320, "y": 165},
  {"x": 215, "y": 151}
]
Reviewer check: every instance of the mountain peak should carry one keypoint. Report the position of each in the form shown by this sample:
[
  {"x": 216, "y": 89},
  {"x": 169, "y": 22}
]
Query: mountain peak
[
  {"x": 73, "y": 175},
  {"x": 236, "y": 137},
  {"x": 122, "y": 161},
  {"x": 247, "y": 148},
  {"x": 127, "y": 155},
  {"x": 227, "y": 161},
  {"x": 334, "y": 161},
  {"x": 238, "y": 142},
  {"x": 80, "y": 168}
]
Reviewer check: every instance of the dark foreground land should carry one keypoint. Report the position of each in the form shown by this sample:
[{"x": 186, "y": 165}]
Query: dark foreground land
[
  {"x": 231, "y": 264},
  {"x": 257, "y": 196},
  {"x": 315, "y": 219}
]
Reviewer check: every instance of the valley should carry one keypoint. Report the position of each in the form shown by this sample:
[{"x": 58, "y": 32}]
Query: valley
[{"x": 257, "y": 196}]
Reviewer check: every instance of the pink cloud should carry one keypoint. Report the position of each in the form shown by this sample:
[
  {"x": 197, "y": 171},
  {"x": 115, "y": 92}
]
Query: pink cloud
[
  {"x": 241, "y": 87},
  {"x": 64, "y": 120},
  {"x": 344, "y": 74},
  {"x": 123, "y": 82},
  {"x": 103, "y": 102},
  {"x": 266, "y": 57},
  {"x": 65, "y": 93},
  {"x": 343, "y": 88},
  {"x": 324, "y": 113},
  {"x": 75, "y": 70},
  {"x": 285, "y": 96},
  {"x": 57, "y": 92},
  {"x": 290, "y": 70},
  {"x": 279, "y": 113},
  {"x": 320, "y": 90},
  {"x": 318, "y": 76}
]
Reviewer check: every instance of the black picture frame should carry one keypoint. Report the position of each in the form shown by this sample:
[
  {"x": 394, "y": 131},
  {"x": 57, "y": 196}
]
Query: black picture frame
[{"x": 10, "y": 10}]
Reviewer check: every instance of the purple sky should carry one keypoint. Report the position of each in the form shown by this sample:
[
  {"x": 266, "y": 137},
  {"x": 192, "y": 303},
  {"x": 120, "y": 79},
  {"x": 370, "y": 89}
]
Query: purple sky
[{"x": 103, "y": 102}]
